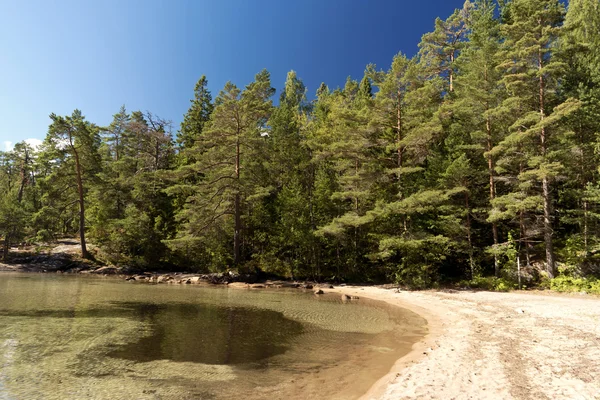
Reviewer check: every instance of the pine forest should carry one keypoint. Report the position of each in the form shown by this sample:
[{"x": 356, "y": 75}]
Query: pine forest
[{"x": 477, "y": 160}]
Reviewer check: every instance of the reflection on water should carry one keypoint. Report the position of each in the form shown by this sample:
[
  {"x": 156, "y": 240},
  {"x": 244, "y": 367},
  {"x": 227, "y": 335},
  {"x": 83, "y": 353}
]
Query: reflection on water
[
  {"x": 209, "y": 334},
  {"x": 93, "y": 338}
]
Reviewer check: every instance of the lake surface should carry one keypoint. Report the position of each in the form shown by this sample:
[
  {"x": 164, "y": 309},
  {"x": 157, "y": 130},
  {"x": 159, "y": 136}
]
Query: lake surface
[{"x": 73, "y": 337}]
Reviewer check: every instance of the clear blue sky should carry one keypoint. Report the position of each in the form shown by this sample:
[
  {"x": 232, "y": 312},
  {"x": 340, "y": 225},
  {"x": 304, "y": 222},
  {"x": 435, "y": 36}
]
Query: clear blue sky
[{"x": 95, "y": 55}]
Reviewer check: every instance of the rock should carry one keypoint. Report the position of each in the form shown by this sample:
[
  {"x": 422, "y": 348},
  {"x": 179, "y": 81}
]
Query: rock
[
  {"x": 238, "y": 285},
  {"x": 307, "y": 286},
  {"x": 319, "y": 291},
  {"x": 257, "y": 286},
  {"x": 284, "y": 284},
  {"x": 107, "y": 270},
  {"x": 346, "y": 297},
  {"x": 216, "y": 279},
  {"x": 164, "y": 279},
  {"x": 130, "y": 278},
  {"x": 520, "y": 311},
  {"x": 195, "y": 280}
]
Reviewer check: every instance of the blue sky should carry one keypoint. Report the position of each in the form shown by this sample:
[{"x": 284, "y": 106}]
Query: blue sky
[{"x": 58, "y": 55}]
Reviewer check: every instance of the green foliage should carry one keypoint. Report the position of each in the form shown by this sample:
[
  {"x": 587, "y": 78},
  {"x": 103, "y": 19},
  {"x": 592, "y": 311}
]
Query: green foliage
[
  {"x": 570, "y": 284},
  {"x": 491, "y": 284},
  {"x": 478, "y": 156}
]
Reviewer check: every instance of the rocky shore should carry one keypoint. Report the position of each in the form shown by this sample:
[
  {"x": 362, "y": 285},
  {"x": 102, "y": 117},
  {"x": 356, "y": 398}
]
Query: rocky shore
[{"x": 65, "y": 263}]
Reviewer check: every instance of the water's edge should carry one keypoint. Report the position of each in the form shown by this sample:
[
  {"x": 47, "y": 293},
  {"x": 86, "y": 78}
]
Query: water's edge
[
  {"x": 429, "y": 331},
  {"x": 433, "y": 329}
]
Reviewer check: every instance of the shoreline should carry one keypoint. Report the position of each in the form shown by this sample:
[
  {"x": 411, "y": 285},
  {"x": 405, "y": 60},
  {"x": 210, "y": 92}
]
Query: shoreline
[
  {"x": 434, "y": 329},
  {"x": 483, "y": 345},
  {"x": 489, "y": 346}
]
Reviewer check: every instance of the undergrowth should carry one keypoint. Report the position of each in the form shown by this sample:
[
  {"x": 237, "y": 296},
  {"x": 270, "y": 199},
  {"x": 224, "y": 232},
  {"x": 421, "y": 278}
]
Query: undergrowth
[
  {"x": 569, "y": 284},
  {"x": 492, "y": 284}
]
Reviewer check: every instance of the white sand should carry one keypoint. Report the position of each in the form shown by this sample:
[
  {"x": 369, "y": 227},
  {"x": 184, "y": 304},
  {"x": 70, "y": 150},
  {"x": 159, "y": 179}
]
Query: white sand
[{"x": 495, "y": 346}]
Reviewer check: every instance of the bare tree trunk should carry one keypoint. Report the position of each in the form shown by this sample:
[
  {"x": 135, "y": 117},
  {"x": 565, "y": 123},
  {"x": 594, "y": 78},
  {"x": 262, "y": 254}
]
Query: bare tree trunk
[
  {"x": 237, "y": 211},
  {"x": 488, "y": 128},
  {"x": 469, "y": 239},
  {"x": 546, "y": 190},
  {"x": 6, "y": 247},
  {"x": 548, "y": 233},
  {"x": 24, "y": 178},
  {"x": 519, "y": 268},
  {"x": 451, "y": 73},
  {"x": 399, "y": 133},
  {"x": 355, "y": 228},
  {"x": 585, "y": 227},
  {"x": 84, "y": 251}
]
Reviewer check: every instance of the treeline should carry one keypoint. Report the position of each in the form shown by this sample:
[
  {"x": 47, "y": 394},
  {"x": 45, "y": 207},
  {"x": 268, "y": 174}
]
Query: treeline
[{"x": 478, "y": 156}]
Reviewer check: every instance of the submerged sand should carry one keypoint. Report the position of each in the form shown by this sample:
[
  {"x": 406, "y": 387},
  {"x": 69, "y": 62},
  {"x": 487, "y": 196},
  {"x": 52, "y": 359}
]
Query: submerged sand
[{"x": 484, "y": 345}]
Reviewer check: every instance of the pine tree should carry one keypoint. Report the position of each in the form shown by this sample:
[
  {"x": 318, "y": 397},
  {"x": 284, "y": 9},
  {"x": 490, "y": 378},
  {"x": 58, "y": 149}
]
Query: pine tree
[
  {"x": 531, "y": 74},
  {"x": 580, "y": 49},
  {"x": 16, "y": 181},
  {"x": 439, "y": 49},
  {"x": 346, "y": 141},
  {"x": 74, "y": 142},
  {"x": 478, "y": 93},
  {"x": 228, "y": 153},
  {"x": 197, "y": 116},
  {"x": 129, "y": 212}
]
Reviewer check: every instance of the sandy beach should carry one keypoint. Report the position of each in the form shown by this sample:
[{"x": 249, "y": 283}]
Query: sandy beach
[{"x": 484, "y": 345}]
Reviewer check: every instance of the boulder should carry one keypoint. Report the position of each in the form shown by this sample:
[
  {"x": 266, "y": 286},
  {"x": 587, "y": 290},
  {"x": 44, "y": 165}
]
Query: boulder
[
  {"x": 319, "y": 291},
  {"x": 238, "y": 285},
  {"x": 107, "y": 270},
  {"x": 164, "y": 279}
]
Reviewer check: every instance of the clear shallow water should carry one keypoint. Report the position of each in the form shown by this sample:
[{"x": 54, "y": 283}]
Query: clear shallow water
[{"x": 67, "y": 337}]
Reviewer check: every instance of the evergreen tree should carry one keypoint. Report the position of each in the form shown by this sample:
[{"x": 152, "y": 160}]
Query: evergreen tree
[
  {"x": 228, "y": 154},
  {"x": 531, "y": 75},
  {"x": 72, "y": 144},
  {"x": 580, "y": 49},
  {"x": 130, "y": 213},
  {"x": 439, "y": 49},
  {"x": 197, "y": 116},
  {"x": 478, "y": 93}
]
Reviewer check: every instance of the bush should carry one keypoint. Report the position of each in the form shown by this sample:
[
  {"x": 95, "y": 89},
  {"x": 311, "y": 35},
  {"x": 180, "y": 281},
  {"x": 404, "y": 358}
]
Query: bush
[
  {"x": 568, "y": 284},
  {"x": 490, "y": 283}
]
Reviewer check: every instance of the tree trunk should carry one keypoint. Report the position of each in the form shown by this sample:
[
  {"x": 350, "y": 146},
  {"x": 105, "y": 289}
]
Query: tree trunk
[
  {"x": 548, "y": 233},
  {"x": 237, "y": 210},
  {"x": 399, "y": 133},
  {"x": 84, "y": 252},
  {"x": 488, "y": 128},
  {"x": 24, "y": 179},
  {"x": 519, "y": 269},
  {"x": 546, "y": 190},
  {"x": 469, "y": 239},
  {"x": 585, "y": 227},
  {"x": 6, "y": 247},
  {"x": 450, "y": 73}
]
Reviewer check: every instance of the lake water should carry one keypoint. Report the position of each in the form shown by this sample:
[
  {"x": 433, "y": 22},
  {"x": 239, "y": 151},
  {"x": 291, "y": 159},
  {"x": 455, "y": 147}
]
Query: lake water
[{"x": 73, "y": 337}]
